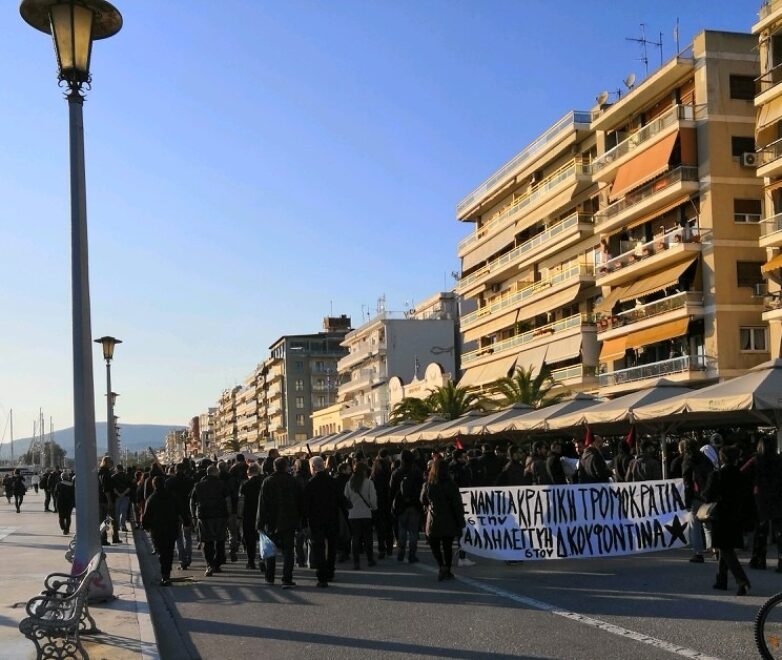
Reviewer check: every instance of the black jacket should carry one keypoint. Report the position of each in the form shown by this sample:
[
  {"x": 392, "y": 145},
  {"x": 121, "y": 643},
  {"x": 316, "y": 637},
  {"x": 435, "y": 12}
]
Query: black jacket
[
  {"x": 160, "y": 515},
  {"x": 593, "y": 468},
  {"x": 280, "y": 504},
  {"x": 556, "y": 472},
  {"x": 461, "y": 474},
  {"x": 726, "y": 486},
  {"x": 512, "y": 475},
  {"x": 444, "y": 509},
  {"x": 210, "y": 498},
  {"x": 65, "y": 496},
  {"x": 322, "y": 500},
  {"x": 398, "y": 501},
  {"x": 487, "y": 469},
  {"x": 249, "y": 493},
  {"x": 181, "y": 487}
]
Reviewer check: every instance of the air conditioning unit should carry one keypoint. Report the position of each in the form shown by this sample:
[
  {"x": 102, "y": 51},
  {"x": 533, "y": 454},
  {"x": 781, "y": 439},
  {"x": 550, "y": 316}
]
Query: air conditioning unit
[
  {"x": 760, "y": 289},
  {"x": 749, "y": 159}
]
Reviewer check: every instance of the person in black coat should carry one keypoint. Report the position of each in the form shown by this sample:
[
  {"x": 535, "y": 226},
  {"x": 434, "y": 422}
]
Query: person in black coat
[
  {"x": 512, "y": 473},
  {"x": 161, "y": 519},
  {"x": 767, "y": 478},
  {"x": 724, "y": 487},
  {"x": 180, "y": 486},
  {"x": 487, "y": 468},
  {"x": 279, "y": 513},
  {"x": 19, "y": 489},
  {"x": 444, "y": 516},
  {"x": 322, "y": 502},
  {"x": 249, "y": 492},
  {"x": 211, "y": 501},
  {"x": 65, "y": 496},
  {"x": 381, "y": 477},
  {"x": 554, "y": 469}
]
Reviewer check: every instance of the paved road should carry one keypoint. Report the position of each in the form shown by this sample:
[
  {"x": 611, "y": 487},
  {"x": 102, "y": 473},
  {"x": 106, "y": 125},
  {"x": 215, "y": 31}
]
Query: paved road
[{"x": 647, "y": 606}]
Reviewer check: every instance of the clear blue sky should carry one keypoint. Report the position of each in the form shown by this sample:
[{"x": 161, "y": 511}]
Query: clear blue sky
[{"x": 249, "y": 164}]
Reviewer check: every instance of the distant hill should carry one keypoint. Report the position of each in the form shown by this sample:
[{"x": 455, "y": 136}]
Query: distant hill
[{"x": 134, "y": 437}]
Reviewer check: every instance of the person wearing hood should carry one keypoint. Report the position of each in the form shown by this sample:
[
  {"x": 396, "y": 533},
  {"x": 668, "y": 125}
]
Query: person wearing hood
[
  {"x": 65, "y": 496},
  {"x": 161, "y": 519}
]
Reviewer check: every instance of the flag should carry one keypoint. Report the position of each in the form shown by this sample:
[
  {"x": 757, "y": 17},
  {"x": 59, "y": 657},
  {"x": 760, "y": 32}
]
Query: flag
[
  {"x": 588, "y": 437},
  {"x": 630, "y": 438},
  {"x": 458, "y": 444}
]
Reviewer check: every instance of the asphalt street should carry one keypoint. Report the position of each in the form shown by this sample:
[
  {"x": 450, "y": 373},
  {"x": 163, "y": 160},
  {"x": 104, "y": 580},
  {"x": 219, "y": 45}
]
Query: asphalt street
[{"x": 645, "y": 606}]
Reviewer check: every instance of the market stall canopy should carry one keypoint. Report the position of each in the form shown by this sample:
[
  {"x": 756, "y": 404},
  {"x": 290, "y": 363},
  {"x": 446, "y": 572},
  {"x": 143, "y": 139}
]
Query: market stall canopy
[
  {"x": 397, "y": 430},
  {"x": 370, "y": 436},
  {"x": 619, "y": 410},
  {"x": 330, "y": 443},
  {"x": 351, "y": 438},
  {"x": 501, "y": 421},
  {"x": 536, "y": 420},
  {"x": 248, "y": 456},
  {"x": 453, "y": 427},
  {"x": 754, "y": 397},
  {"x": 410, "y": 433}
]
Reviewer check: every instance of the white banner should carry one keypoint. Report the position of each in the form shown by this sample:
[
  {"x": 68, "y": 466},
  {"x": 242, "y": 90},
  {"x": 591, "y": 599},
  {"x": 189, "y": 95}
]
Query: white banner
[{"x": 582, "y": 520}]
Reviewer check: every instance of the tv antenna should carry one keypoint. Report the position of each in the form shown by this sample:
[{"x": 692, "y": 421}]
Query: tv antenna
[{"x": 644, "y": 42}]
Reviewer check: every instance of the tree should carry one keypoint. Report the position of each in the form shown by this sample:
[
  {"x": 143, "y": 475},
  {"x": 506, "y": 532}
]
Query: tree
[
  {"x": 233, "y": 445},
  {"x": 522, "y": 387},
  {"x": 451, "y": 401},
  {"x": 410, "y": 409}
]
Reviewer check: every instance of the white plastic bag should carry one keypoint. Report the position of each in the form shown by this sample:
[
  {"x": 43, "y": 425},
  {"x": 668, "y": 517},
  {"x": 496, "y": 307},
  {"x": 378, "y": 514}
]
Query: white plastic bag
[{"x": 266, "y": 546}]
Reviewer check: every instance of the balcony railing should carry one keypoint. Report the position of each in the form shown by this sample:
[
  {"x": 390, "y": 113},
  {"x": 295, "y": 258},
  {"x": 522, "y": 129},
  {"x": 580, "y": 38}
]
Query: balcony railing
[
  {"x": 768, "y": 7},
  {"x": 524, "y": 248},
  {"x": 653, "y": 370},
  {"x": 650, "y": 310},
  {"x": 658, "y": 244},
  {"x": 656, "y": 185},
  {"x": 513, "y": 298},
  {"x": 768, "y": 79},
  {"x": 770, "y": 153},
  {"x": 771, "y": 225},
  {"x": 644, "y": 134},
  {"x": 574, "y": 371},
  {"x": 567, "y": 171},
  {"x": 535, "y": 147},
  {"x": 523, "y": 338}
]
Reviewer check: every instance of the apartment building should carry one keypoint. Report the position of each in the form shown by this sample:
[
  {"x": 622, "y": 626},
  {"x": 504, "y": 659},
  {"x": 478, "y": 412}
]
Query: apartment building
[
  {"x": 424, "y": 381},
  {"x": 621, "y": 245},
  {"x": 247, "y": 411},
  {"x": 225, "y": 428},
  {"x": 394, "y": 344},
  {"x": 327, "y": 421},
  {"x": 768, "y": 103},
  {"x": 299, "y": 378}
]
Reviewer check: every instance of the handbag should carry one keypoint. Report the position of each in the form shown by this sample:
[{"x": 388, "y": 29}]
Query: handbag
[{"x": 707, "y": 512}]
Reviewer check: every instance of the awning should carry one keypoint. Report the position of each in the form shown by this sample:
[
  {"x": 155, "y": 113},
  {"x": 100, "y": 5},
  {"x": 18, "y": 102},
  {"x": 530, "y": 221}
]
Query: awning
[
  {"x": 644, "y": 166},
  {"x": 772, "y": 264},
  {"x": 770, "y": 113},
  {"x": 549, "y": 303},
  {"x": 669, "y": 330},
  {"x": 688, "y": 146},
  {"x": 496, "y": 370},
  {"x": 471, "y": 377},
  {"x": 532, "y": 359},
  {"x": 564, "y": 349},
  {"x": 613, "y": 349},
  {"x": 657, "y": 213},
  {"x": 607, "y": 303},
  {"x": 657, "y": 281},
  {"x": 491, "y": 325},
  {"x": 489, "y": 247}
]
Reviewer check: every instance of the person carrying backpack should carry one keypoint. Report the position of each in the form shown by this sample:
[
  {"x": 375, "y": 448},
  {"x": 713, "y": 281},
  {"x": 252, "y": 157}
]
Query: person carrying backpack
[{"x": 405, "y": 487}]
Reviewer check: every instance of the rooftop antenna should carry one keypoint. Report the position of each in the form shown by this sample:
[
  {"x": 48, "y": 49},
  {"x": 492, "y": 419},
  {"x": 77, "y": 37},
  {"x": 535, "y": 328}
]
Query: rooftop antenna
[
  {"x": 630, "y": 81},
  {"x": 676, "y": 36},
  {"x": 643, "y": 41},
  {"x": 602, "y": 97}
]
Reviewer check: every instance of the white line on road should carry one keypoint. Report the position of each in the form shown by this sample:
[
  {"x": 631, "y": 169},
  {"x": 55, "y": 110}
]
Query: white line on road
[
  {"x": 6, "y": 531},
  {"x": 586, "y": 620}
]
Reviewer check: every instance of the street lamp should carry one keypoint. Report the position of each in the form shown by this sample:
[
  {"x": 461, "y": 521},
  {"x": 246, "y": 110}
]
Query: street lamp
[
  {"x": 74, "y": 25},
  {"x": 112, "y": 447}
]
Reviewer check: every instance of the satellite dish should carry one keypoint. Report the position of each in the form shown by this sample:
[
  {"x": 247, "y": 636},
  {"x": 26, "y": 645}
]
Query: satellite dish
[
  {"x": 630, "y": 81},
  {"x": 602, "y": 98}
]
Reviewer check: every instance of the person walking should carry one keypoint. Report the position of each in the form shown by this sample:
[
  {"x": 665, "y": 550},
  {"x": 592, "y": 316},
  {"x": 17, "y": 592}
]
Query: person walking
[
  {"x": 35, "y": 480},
  {"x": 724, "y": 487},
  {"x": 233, "y": 524},
  {"x": 768, "y": 503},
  {"x": 47, "y": 494},
  {"x": 406, "y": 484},
  {"x": 120, "y": 485},
  {"x": 19, "y": 489},
  {"x": 181, "y": 485},
  {"x": 211, "y": 500},
  {"x": 105, "y": 498},
  {"x": 249, "y": 492},
  {"x": 381, "y": 479},
  {"x": 362, "y": 498},
  {"x": 592, "y": 468},
  {"x": 696, "y": 468},
  {"x": 646, "y": 466},
  {"x": 65, "y": 495},
  {"x": 322, "y": 510},
  {"x": 444, "y": 516},
  {"x": 301, "y": 473},
  {"x": 161, "y": 519},
  {"x": 512, "y": 473},
  {"x": 279, "y": 512}
]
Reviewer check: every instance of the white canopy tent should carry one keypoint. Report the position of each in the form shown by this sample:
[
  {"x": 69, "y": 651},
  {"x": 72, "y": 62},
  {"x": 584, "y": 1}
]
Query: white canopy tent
[
  {"x": 498, "y": 422},
  {"x": 453, "y": 427},
  {"x": 408, "y": 432},
  {"x": 537, "y": 420},
  {"x": 350, "y": 439}
]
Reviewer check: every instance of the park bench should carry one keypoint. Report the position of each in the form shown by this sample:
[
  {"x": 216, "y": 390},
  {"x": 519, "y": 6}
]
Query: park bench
[
  {"x": 104, "y": 526},
  {"x": 56, "y": 619}
]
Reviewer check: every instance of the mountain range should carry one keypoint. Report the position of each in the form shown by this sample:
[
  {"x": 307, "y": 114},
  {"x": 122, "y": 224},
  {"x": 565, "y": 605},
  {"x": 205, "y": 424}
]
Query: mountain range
[{"x": 133, "y": 437}]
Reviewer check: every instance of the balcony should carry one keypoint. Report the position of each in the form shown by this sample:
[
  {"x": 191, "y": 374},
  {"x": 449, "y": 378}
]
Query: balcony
[
  {"x": 771, "y": 231},
  {"x": 362, "y": 378},
  {"x": 576, "y": 374},
  {"x": 543, "y": 332},
  {"x": 359, "y": 409},
  {"x": 360, "y": 352},
  {"x": 767, "y": 86},
  {"x": 517, "y": 297},
  {"x": 571, "y": 172},
  {"x": 571, "y": 121},
  {"x": 677, "y": 117},
  {"x": 770, "y": 159},
  {"x": 572, "y": 227},
  {"x": 670, "y": 308},
  {"x": 647, "y": 258},
  {"x": 770, "y": 12},
  {"x": 686, "y": 366},
  {"x": 659, "y": 191}
]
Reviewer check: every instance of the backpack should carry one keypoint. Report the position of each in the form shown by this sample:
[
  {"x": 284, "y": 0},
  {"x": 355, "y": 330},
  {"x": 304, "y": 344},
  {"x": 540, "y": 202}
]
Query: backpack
[{"x": 407, "y": 495}]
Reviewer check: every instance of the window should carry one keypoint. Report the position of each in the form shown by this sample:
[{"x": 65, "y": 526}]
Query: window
[
  {"x": 752, "y": 339},
  {"x": 741, "y": 145},
  {"x": 319, "y": 365},
  {"x": 300, "y": 437},
  {"x": 299, "y": 384},
  {"x": 746, "y": 210},
  {"x": 742, "y": 87},
  {"x": 320, "y": 401},
  {"x": 298, "y": 365},
  {"x": 299, "y": 420},
  {"x": 300, "y": 402},
  {"x": 748, "y": 273}
]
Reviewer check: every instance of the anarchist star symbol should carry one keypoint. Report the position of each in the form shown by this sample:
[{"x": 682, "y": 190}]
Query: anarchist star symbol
[{"x": 677, "y": 531}]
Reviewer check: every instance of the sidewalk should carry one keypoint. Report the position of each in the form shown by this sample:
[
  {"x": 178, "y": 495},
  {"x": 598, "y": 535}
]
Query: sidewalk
[{"x": 31, "y": 547}]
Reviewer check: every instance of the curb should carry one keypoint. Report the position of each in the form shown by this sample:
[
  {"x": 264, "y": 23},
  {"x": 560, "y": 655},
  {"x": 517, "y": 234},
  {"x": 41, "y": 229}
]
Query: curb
[{"x": 149, "y": 647}]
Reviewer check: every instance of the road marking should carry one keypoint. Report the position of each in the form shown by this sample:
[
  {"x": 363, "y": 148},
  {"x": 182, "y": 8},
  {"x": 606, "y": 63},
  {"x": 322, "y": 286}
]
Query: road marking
[
  {"x": 6, "y": 531},
  {"x": 586, "y": 620}
]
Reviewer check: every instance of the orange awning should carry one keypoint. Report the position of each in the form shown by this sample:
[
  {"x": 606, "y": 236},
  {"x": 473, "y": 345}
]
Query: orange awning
[
  {"x": 669, "y": 330},
  {"x": 644, "y": 166},
  {"x": 607, "y": 303},
  {"x": 656, "y": 281},
  {"x": 613, "y": 349},
  {"x": 772, "y": 264}
]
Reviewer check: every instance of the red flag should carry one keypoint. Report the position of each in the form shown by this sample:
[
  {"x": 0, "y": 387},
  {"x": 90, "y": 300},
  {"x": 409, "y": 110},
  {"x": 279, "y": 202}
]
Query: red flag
[
  {"x": 458, "y": 444},
  {"x": 588, "y": 437},
  {"x": 630, "y": 438}
]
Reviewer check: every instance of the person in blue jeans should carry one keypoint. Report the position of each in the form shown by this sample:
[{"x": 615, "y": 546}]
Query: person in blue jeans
[{"x": 405, "y": 491}]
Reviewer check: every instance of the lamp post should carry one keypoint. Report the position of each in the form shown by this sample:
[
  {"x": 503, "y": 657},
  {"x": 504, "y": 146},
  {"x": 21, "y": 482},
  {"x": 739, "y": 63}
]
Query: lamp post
[
  {"x": 74, "y": 25},
  {"x": 112, "y": 448}
]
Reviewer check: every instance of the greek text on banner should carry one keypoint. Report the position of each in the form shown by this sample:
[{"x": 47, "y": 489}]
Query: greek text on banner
[{"x": 582, "y": 520}]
